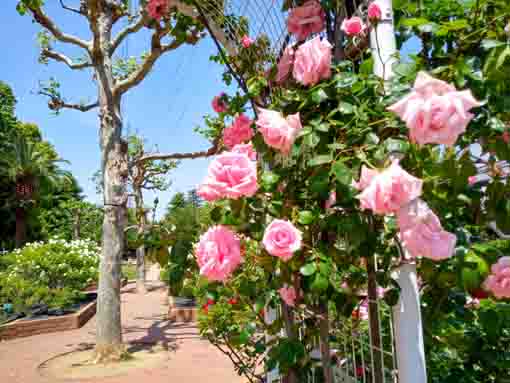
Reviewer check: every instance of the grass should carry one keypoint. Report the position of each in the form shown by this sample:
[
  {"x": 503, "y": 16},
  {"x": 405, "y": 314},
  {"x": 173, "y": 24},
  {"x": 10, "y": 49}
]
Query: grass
[{"x": 129, "y": 271}]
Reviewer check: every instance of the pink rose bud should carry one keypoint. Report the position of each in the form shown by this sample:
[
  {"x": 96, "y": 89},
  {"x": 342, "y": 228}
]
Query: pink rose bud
[
  {"x": 218, "y": 254},
  {"x": 353, "y": 26},
  {"x": 374, "y": 12},
  {"x": 506, "y": 137},
  {"x": 435, "y": 112},
  {"x": 499, "y": 280},
  {"x": 282, "y": 239},
  {"x": 247, "y": 41}
]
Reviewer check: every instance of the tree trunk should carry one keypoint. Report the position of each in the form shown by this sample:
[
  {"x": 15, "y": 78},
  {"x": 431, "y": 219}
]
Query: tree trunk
[
  {"x": 324, "y": 337},
  {"x": 140, "y": 251},
  {"x": 21, "y": 226},
  {"x": 114, "y": 169}
]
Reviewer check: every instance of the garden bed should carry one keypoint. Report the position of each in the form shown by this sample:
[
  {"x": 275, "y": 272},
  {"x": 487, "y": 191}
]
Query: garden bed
[
  {"x": 182, "y": 309},
  {"x": 47, "y": 321}
]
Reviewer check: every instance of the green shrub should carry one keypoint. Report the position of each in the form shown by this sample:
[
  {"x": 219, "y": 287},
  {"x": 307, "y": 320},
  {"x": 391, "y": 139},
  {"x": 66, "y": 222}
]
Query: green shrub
[{"x": 52, "y": 273}]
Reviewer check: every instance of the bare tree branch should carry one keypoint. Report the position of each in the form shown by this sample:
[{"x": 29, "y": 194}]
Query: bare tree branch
[
  {"x": 71, "y": 9},
  {"x": 41, "y": 18},
  {"x": 134, "y": 27},
  {"x": 56, "y": 103},
  {"x": 66, "y": 60},
  {"x": 182, "y": 156},
  {"x": 157, "y": 49}
]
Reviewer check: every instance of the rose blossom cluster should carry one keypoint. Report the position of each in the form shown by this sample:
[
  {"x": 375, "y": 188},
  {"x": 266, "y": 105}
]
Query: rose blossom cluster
[
  {"x": 307, "y": 19},
  {"x": 394, "y": 191},
  {"x": 157, "y": 8},
  {"x": 499, "y": 280},
  {"x": 239, "y": 132},
  {"x": 355, "y": 26},
  {"x": 435, "y": 112},
  {"x": 218, "y": 253}
]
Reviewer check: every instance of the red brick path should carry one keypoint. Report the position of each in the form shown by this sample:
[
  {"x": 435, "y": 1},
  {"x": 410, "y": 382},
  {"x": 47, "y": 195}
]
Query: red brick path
[{"x": 192, "y": 360}]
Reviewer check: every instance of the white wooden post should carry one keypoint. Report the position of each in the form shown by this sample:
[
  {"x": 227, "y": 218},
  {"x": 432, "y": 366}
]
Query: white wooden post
[
  {"x": 406, "y": 314},
  {"x": 408, "y": 327},
  {"x": 383, "y": 43}
]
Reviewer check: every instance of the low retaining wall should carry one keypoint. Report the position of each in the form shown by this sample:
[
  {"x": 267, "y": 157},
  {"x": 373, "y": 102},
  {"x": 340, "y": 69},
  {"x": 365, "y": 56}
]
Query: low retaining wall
[
  {"x": 181, "y": 314},
  {"x": 23, "y": 328}
]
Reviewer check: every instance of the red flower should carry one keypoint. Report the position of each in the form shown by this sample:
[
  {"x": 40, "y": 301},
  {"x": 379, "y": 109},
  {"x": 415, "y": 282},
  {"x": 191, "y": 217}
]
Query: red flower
[
  {"x": 232, "y": 301},
  {"x": 205, "y": 308},
  {"x": 210, "y": 302},
  {"x": 359, "y": 371},
  {"x": 479, "y": 294}
]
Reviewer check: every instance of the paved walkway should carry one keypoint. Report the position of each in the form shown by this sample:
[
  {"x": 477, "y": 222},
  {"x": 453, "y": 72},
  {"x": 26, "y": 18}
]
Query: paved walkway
[{"x": 191, "y": 359}]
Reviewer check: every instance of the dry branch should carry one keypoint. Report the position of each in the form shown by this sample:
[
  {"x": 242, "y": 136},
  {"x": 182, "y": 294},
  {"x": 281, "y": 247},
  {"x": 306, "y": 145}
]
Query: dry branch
[{"x": 66, "y": 60}]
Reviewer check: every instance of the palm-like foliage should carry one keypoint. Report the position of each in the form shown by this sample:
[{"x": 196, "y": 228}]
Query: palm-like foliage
[{"x": 32, "y": 169}]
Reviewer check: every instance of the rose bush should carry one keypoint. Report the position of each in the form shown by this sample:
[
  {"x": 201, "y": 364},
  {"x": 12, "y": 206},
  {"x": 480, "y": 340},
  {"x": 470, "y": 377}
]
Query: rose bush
[{"x": 398, "y": 157}]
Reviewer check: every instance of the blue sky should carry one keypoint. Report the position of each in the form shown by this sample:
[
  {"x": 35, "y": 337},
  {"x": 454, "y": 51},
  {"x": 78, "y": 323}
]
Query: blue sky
[{"x": 164, "y": 108}]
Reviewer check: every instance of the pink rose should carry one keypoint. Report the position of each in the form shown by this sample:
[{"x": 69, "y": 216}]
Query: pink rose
[
  {"x": 499, "y": 280},
  {"x": 374, "y": 12},
  {"x": 238, "y": 132},
  {"x": 362, "y": 311},
  {"x": 278, "y": 132},
  {"x": 157, "y": 8},
  {"x": 435, "y": 112},
  {"x": 246, "y": 149},
  {"x": 218, "y": 253},
  {"x": 288, "y": 295},
  {"x": 285, "y": 65},
  {"x": 331, "y": 200},
  {"x": 306, "y": 19},
  {"x": 230, "y": 175},
  {"x": 247, "y": 41},
  {"x": 421, "y": 232},
  {"x": 353, "y": 26},
  {"x": 218, "y": 103},
  {"x": 472, "y": 180},
  {"x": 390, "y": 190},
  {"x": 282, "y": 239},
  {"x": 366, "y": 177},
  {"x": 312, "y": 61}
]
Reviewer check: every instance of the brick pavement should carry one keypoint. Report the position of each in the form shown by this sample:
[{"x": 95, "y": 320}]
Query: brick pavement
[{"x": 191, "y": 359}]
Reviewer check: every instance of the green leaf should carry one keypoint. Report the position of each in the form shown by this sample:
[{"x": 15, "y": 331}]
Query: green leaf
[
  {"x": 497, "y": 125},
  {"x": 342, "y": 173},
  {"x": 489, "y": 44},
  {"x": 393, "y": 145},
  {"x": 344, "y": 80},
  {"x": 319, "y": 96},
  {"x": 308, "y": 269},
  {"x": 269, "y": 179},
  {"x": 312, "y": 140},
  {"x": 306, "y": 217},
  {"x": 321, "y": 159},
  {"x": 320, "y": 283},
  {"x": 367, "y": 66},
  {"x": 345, "y": 108},
  {"x": 404, "y": 69},
  {"x": 414, "y": 22},
  {"x": 323, "y": 127},
  {"x": 216, "y": 214}
]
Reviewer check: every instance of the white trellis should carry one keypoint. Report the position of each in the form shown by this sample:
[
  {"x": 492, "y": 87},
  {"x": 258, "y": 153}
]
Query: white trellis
[{"x": 399, "y": 339}]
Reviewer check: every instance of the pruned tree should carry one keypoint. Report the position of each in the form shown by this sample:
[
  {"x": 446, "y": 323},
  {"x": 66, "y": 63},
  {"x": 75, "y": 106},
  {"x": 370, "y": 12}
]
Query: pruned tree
[
  {"x": 144, "y": 175},
  {"x": 179, "y": 25}
]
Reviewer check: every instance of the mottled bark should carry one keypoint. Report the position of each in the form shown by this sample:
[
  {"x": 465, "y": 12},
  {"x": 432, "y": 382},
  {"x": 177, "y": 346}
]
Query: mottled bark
[
  {"x": 140, "y": 251},
  {"x": 114, "y": 169}
]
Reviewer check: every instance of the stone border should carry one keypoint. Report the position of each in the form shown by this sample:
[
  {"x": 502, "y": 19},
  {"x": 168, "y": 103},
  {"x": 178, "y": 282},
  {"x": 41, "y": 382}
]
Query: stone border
[{"x": 23, "y": 328}]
